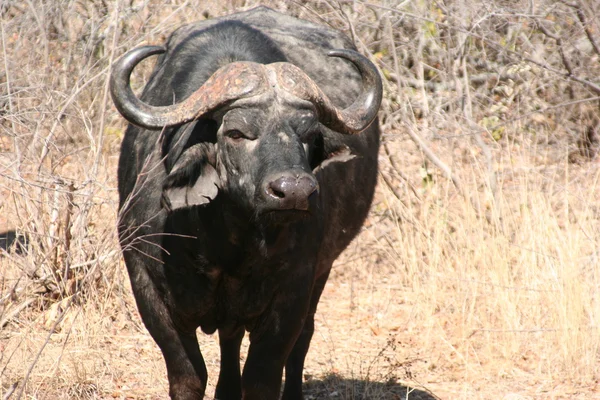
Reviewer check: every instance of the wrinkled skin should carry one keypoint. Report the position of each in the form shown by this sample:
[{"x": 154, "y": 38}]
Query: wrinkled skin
[{"x": 231, "y": 223}]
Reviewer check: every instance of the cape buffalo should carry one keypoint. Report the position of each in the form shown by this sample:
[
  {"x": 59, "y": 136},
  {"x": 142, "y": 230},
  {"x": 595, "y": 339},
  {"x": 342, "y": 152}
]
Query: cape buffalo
[{"x": 242, "y": 177}]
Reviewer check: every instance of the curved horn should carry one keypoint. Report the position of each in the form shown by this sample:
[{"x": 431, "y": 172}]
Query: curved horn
[
  {"x": 363, "y": 111},
  {"x": 350, "y": 120},
  {"x": 231, "y": 82},
  {"x": 132, "y": 108}
]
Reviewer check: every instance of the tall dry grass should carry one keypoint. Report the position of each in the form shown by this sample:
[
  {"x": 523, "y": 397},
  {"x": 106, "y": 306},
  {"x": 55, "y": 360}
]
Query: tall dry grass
[
  {"x": 480, "y": 256},
  {"x": 522, "y": 288}
]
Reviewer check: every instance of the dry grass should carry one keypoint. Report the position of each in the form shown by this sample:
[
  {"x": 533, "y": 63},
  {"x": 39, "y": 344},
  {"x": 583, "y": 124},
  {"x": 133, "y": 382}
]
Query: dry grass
[{"x": 475, "y": 277}]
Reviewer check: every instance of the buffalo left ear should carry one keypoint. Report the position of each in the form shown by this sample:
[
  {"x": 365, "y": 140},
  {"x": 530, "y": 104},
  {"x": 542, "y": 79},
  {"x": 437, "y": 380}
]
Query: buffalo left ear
[
  {"x": 341, "y": 155},
  {"x": 193, "y": 180}
]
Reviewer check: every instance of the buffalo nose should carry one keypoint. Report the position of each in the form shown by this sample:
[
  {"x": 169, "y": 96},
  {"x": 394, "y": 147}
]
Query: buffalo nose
[{"x": 292, "y": 192}]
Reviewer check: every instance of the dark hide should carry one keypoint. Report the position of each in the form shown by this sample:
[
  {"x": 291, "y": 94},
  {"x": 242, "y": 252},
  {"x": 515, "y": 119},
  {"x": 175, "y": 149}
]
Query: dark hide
[
  {"x": 13, "y": 241},
  {"x": 231, "y": 223}
]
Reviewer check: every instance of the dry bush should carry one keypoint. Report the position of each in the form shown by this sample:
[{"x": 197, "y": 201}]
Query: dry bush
[{"x": 476, "y": 272}]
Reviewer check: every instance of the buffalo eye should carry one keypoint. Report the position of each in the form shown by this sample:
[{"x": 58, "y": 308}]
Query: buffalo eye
[
  {"x": 235, "y": 135},
  {"x": 307, "y": 126}
]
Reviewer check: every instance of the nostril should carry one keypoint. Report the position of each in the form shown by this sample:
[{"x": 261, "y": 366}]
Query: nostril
[
  {"x": 282, "y": 187},
  {"x": 277, "y": 193}
]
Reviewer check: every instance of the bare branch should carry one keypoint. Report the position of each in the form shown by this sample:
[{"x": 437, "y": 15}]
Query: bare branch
[
  {"x": 435, "y": 159},
  {"x": 39, "y": 353},
  {"x": 398, "y": 170},
  {"x": 559, "y": 43},
  {"x": 585, "y": 24},
  {"x": 16, "y": 311},
  {"x": 493, "y": 44},
  {"x": 10, "y": 390}
]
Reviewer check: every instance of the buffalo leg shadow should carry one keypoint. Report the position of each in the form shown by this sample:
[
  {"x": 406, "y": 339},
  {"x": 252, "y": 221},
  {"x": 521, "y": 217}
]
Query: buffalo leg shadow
[{"x": 350, "y": 389}]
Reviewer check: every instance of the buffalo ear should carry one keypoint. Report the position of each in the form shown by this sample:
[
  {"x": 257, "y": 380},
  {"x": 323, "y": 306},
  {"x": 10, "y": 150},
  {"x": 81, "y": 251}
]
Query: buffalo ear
[
  {"x": 193, "y": 180},
  {"x": 329, "y": 148},
  {"x": 340, "y": 155}
]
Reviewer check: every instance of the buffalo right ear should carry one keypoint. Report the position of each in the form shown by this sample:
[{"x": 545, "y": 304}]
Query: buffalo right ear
[{"x": 193, "y": 180}]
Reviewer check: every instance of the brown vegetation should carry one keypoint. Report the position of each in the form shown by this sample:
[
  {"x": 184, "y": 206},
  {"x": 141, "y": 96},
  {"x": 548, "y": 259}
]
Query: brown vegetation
[{"x": 476, "y": 276}]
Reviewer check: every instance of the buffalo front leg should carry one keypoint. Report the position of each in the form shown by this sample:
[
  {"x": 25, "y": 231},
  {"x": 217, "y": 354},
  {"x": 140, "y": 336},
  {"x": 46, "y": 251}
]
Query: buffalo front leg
[
  {"x": 229, "y": 385},
  {"x": 272, "y": 340},
  {"x": 295, "y": 362},
  {"x": 185, "y": 366}
]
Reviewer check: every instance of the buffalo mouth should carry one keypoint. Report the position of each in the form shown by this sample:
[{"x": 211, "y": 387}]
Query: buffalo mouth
[
  {"x": 284, "y": 216},
  {"x": 285, "y": 211}
]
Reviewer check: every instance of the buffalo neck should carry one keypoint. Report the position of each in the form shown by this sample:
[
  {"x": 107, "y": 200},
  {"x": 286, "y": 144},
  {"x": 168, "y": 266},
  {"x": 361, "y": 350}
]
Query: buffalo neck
[{"x": 228, "y": 236}]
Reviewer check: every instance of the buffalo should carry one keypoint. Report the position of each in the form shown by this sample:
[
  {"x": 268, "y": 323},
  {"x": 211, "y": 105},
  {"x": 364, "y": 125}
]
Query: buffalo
[{"x": 248, "y": 166}]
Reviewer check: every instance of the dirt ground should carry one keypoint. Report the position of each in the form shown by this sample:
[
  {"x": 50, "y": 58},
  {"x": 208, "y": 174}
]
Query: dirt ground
[{"x": 368, "y": 344}]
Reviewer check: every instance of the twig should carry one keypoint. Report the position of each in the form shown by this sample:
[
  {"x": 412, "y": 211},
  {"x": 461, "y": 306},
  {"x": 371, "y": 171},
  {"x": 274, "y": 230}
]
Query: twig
[
  {"x": 97, "y": 260},
  {"x": 585, "y": 24},
  {"x": 16, "y": 311},
  {"x": 9, "y": 94},
  {"x": 435, "y": 160},
  {"x": 476, "y": 79},
  {"x": 494, "y": 44},
  {"x": 391, "y": 186},
  {"x": 54, "y": 229},
  {"x": 100, "y": 139},
  {"x": 68, "y": 235},
  {"x": 58, "y": 116},
  {"x": 566, "y": 62},
  {"x": 345, "y": 16},
  {"x": 468, "y": 113},
  {"x": 10, "y": 390},
  {"x": 420, "y": 69},
  {"x": 39, "y": 353},
  {"x": 397, "y": 169}
]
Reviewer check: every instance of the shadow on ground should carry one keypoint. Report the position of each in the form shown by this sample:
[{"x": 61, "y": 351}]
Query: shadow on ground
[{"x": 336, "y": 387}]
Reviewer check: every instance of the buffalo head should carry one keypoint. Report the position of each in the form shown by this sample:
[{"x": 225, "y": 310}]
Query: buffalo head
[{"x": 249, "y": 131}]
